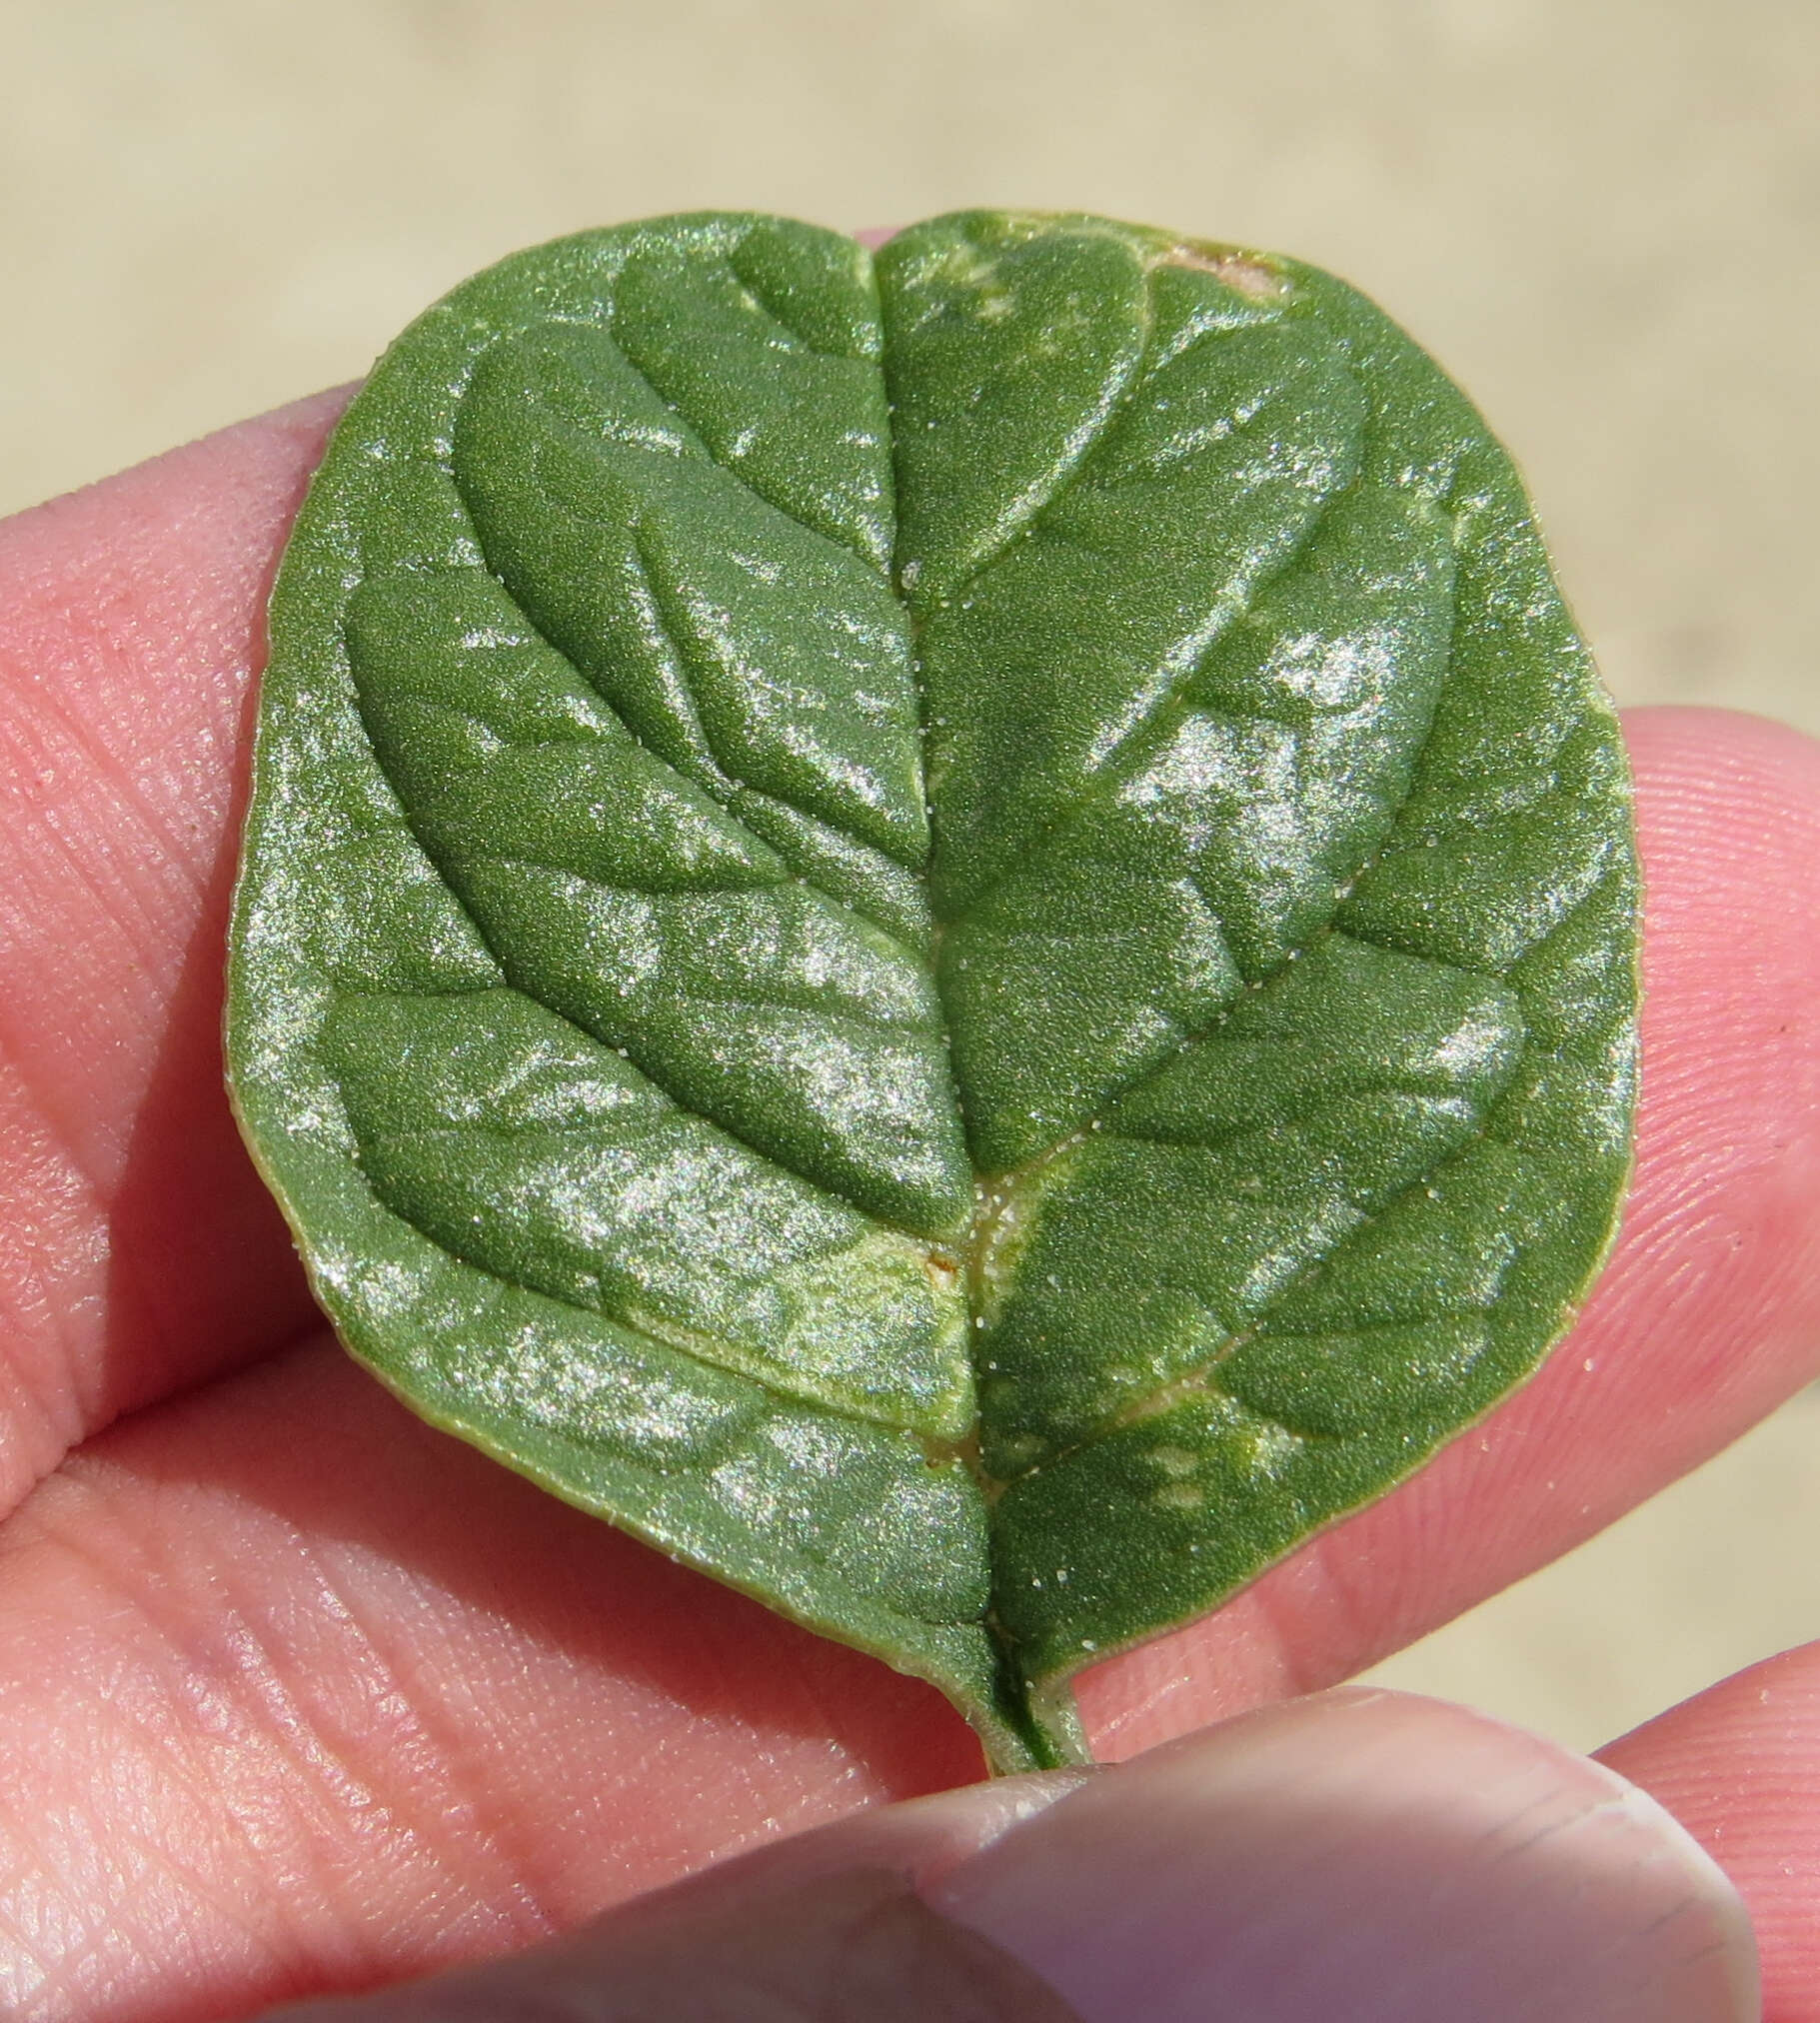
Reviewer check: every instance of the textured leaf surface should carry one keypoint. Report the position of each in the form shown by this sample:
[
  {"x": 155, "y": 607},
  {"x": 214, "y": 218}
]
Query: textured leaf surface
[{"x": 954, "y": 930}]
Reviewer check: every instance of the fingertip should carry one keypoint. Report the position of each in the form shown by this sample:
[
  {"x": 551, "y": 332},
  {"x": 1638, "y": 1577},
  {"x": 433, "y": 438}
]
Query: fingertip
[
  {"x": 269, "y": 454},
  {"x": 1721, "y": 1245},
  {"x": 1681, "y": 749},
  {"x": 1364, "y": 1854},
  {"x": 1739, "y": 1765},
  {"x": 1728, "y": 827},
  {"x": 152, "y": 583}
]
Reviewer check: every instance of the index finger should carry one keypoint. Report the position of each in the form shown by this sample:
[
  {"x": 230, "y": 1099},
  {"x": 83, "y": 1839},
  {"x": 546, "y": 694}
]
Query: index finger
[{"x": 137, "y": 1252}]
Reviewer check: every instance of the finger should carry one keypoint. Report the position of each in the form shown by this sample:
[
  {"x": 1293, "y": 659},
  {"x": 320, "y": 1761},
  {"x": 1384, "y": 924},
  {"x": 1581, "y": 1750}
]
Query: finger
[
  {"x": 135, "y": 1254},
  {"x": 1365, "y": 1855},
  {"x": 1707, "y": 1316},
  {"x": 1740, "y": 1765}
]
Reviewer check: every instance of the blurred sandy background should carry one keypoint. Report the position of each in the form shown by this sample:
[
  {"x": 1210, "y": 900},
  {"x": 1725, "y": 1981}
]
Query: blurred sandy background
[{"x": 1603, "y": 214}]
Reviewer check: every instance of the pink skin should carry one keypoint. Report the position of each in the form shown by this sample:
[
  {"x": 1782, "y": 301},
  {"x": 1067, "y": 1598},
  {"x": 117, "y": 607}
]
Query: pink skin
[{"x": 313, "y": 1697}]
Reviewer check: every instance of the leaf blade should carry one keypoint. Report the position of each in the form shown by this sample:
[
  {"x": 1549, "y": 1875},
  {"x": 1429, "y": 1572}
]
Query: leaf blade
[{"x": 1229, "y": 1078}]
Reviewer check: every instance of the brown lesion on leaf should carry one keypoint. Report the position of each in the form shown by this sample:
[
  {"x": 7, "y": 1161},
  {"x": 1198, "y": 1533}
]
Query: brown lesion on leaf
[
  {"x": 943, "y": 1270},
  {"x": 966, "y": 1452},
  {"x": 1245, "y": 273}
]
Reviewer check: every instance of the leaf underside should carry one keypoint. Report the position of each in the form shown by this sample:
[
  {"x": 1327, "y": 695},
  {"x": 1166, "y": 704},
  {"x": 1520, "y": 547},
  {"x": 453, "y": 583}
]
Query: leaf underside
[{"x": 952, "y": 929}]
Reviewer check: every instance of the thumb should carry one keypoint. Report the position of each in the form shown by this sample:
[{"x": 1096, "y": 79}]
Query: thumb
[{"x": 1355, "y": 1858}]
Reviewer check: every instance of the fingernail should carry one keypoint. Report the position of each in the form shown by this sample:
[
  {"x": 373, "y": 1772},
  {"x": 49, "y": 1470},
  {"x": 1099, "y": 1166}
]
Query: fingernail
[{"x": 1364, "y": 1857}]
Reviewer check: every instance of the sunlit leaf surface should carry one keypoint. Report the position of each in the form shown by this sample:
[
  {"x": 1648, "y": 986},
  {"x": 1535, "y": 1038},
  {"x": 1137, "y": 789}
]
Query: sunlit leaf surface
[{"x": 952, "y": 930}]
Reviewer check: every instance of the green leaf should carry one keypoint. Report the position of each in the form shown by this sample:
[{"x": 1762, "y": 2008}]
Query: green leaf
[{"x": 953, "y": 931}]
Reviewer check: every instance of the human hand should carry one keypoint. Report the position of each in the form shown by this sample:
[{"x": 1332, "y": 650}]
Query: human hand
[{"x": 303, "y": 1697}]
